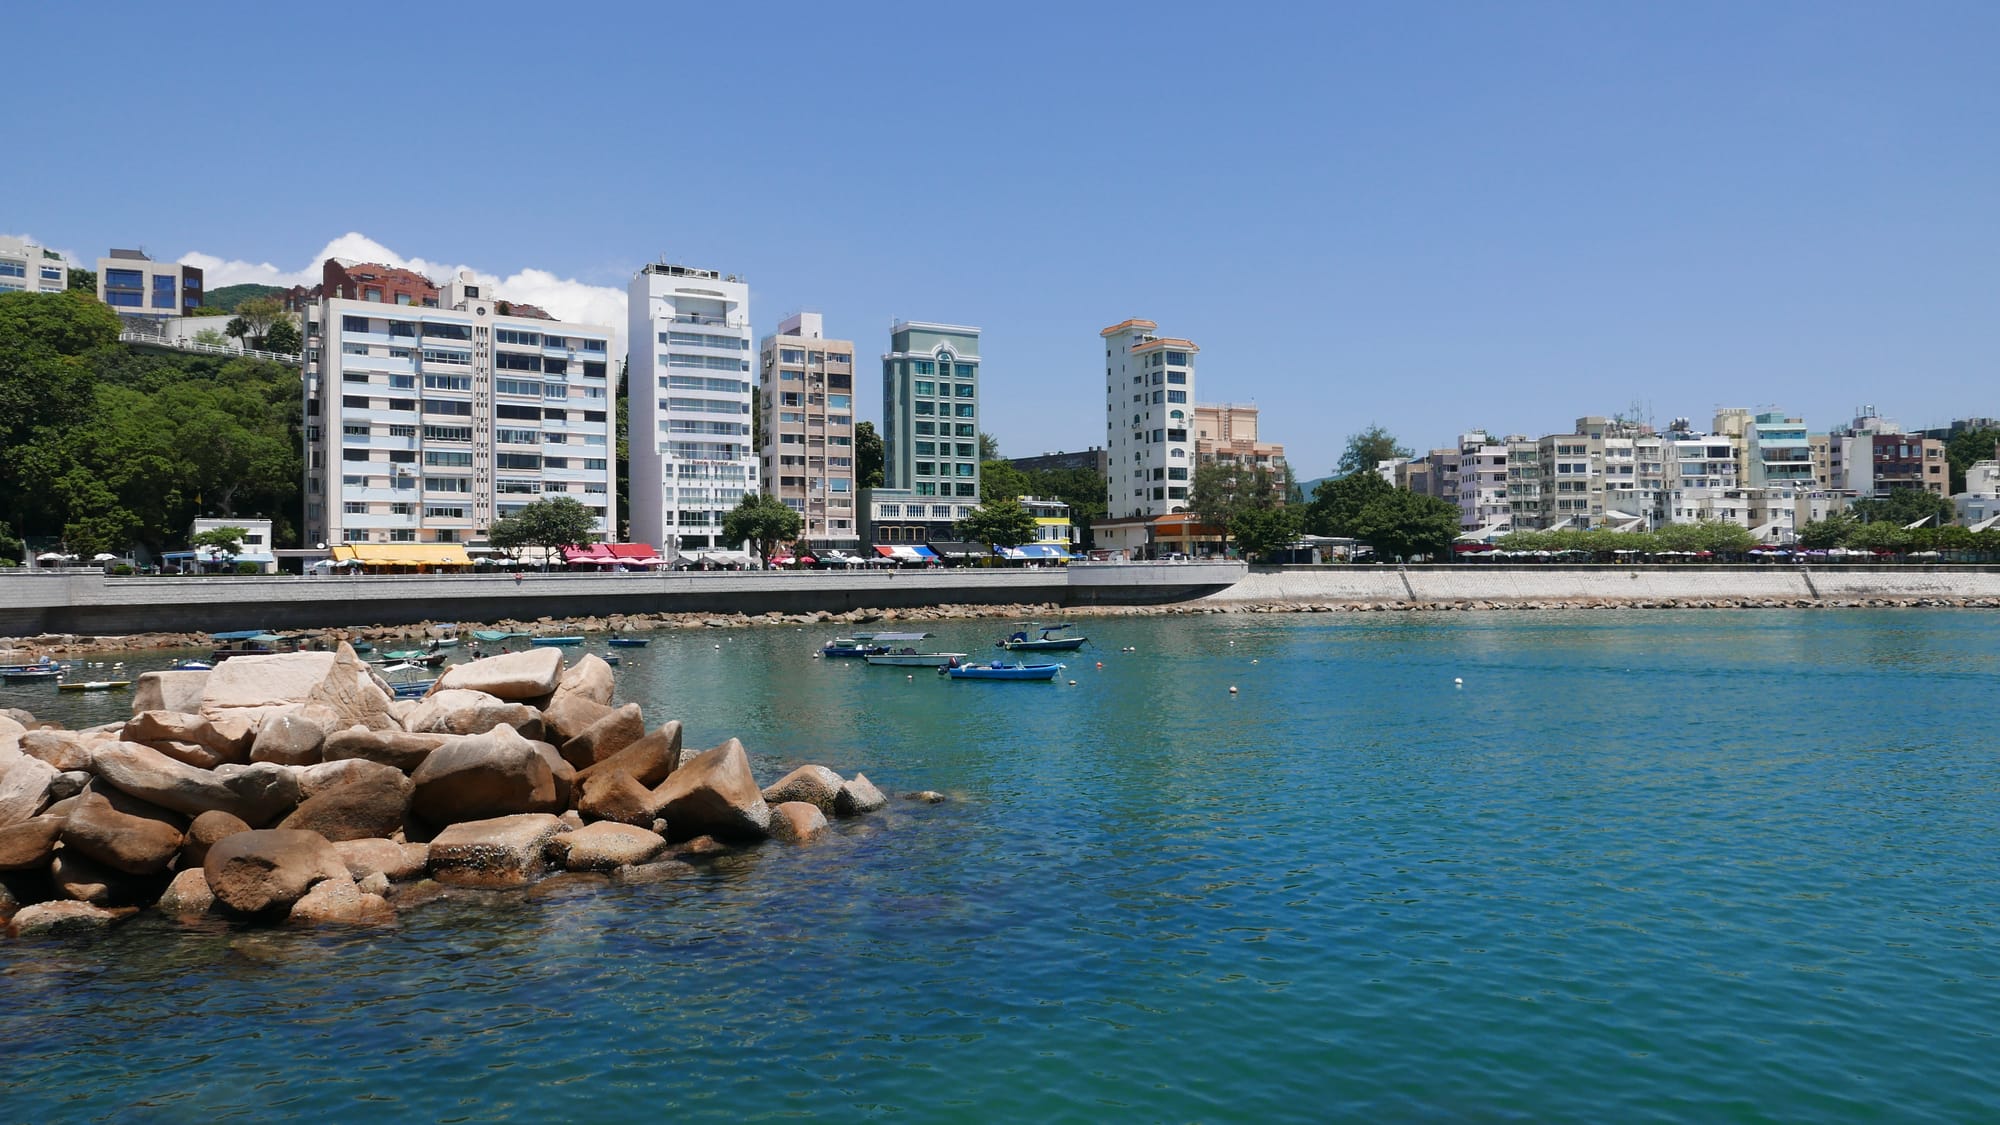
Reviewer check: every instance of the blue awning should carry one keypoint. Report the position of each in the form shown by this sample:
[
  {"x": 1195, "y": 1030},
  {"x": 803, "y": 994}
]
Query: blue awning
[
  {"x": 1033, "y": 551},
  {"x": 923, "y": 551}
]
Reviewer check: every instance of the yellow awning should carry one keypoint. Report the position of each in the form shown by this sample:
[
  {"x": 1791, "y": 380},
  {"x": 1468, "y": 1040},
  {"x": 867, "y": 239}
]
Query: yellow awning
[{"x": 402, "y": 554}]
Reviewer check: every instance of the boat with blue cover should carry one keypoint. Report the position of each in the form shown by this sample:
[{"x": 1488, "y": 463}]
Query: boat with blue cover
[
  {"x": 1028, "y": 636},
  {"x": 490, "y": 635},
  {"x": 33, "y": 673},
  {"x": 555, "y": 642},
  {"x": 998, "y": 670},
  {"x": 629, "y": 642}
]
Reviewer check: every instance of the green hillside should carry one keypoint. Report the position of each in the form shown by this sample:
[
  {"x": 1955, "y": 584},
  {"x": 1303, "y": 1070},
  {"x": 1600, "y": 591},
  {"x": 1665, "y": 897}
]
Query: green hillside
[{"x": 229, "y": 296}]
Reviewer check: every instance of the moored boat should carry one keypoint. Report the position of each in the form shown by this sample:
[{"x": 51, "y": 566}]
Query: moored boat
[
  {"x": 1029, "y": 636},
  {"x": 629, "y": 642},
  {"x": 998, "y": 670},
  {"x": 414, "y": 656},
  {"x": 907, "y": 657},
  {"x": 407, "y": 681},
  {"x": 555, "y": 642},
  {"x": 867, "y": 644},
  {"x": 32, "y": 674},
  {"x": 495, "y": 635},
  {"x": 96, "y": 685}
]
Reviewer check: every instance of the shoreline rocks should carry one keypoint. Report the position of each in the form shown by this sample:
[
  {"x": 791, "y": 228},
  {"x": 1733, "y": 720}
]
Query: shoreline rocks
[{"x": 288, "y": 791}]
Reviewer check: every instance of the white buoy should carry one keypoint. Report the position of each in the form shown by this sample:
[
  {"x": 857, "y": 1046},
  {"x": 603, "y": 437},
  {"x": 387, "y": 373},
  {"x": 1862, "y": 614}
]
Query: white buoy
[
  {"x": 1232, "y": 689},
  {"x": 1458, "y": 681},
  {"x": 912, "y": 677},
  {"x": 1253, "y": 660}
]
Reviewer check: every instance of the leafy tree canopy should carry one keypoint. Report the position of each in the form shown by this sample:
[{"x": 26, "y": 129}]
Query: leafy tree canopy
[
  {"x": 224, "y": 540},
  {"x": 1403, "y": 524},
  {"x": 989, "y": 447},
  {"x": 551, "y": 523},
  {"x": 868, "y": 455},
  {"x": 1968, "y": 446},
  {"x": 227, "y": 298},
  {"x": 1000, "y": 480},
  {"x": 283, "y": 336},
  {"x": 1905, "y": 506},
  {"x": 999, "y": 522},
  {"x": 1367, "y": 449},
  {"x": 82, "y": 281},
  {"x": 1260, "y": 531},
  {"x": 1337, "y": 503},
  {"x": 763, "y": 520}
]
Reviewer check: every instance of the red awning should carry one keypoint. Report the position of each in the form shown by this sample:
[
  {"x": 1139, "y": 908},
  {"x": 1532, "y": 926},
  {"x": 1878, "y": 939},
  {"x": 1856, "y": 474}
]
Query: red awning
[
  {"x": 885, "y": 551},
  {"x": 640, "y": 554},
  {"x": 595, "y": 554}
]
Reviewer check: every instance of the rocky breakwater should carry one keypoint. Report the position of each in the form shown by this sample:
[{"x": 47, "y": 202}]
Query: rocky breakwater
[{"x": 295, "y": 788}]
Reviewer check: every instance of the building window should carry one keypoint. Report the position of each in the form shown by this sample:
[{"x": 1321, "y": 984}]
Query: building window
[
  {"x": 965, "y": 410},
  {"x": 965, "y": 390}
]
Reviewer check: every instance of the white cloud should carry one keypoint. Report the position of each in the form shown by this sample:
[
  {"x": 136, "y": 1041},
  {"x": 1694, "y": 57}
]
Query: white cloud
[{"x": 564, "y": 298}]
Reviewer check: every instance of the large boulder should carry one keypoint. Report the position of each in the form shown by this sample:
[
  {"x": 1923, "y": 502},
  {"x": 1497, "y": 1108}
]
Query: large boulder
[
  {"x": 514, "y": 676},
  {"x": 66, "y": 750},
  {"x": 187, "y": 894},
  {"x": 169, "y": 691},
  {"x": 589, "y": 678},
  {"x": 28, "y": 845},
  {"x": 396, "y": 748},
  {"x": 605, "y": 846},
  {"x": 339, "y": 900},
  {"x": 370, "y": 808},
  {"x": 714, "y": 794},
  {"x": 270, "y": 869},
  {"x": 815, "y": 785},
  {"x": 228, "y": 742},
  {"x": 506, "y": 851},
  {"x": 483, "y": 776},
  {"x": 858, "y": 796},
  {"x": 134, "y": 838},
  {"x": 11, "y": 727},
  {"x": 46, "y": 919},
  {"x": 566, "y": 716},
  {"x": 205, "y": 832},
  {"x": 612, "y": 732},
  {"x": 649, "y": 760},
  {"x": 24, "y": 787},
  {"x": 252, "y": 687},
  {"x": 330, "y": 775},
  {"x": 83, "y": 879},
  {"x": 616, "y": 796},
  {"x": 459, "y": 711},
  {"x": 289, "y": 738},
  {"x": 259, "y": 793},
  {"x": 397, "y": 862},
  {"x": 797, "y": 822}
]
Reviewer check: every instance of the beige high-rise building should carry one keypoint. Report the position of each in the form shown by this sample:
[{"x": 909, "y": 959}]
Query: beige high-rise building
[
  {"x": 1226, "y": 434},
  {"x": 806, "y": 428}
]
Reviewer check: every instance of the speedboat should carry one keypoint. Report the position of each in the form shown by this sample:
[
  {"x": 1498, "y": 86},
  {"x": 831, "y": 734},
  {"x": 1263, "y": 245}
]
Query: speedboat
[
  {"x": 907, "y": 657},
  {"x": 414, "y": 656},
  {"x": 406, "y": 680},
  {"x": 997, "y": 670},
  {"x": 192, "y": 666},
  {"x": 867, "y": 644},
  {"x": 33, "y": 674},
  {"x": 450, "y": 640},
  {"x": 629, "y": 642},
  {"x": 96, "y": 685},
  {"x": 1031, "y": 637},
  {"x": 555, "y": 642}
]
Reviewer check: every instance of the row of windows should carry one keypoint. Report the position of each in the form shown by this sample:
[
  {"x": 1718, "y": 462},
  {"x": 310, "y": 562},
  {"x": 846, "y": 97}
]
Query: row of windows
[
  {"x": 703, "y": 383},
  {"x": 946, "y": 429},
  {"x": 710, "y": 362},
  {"x": 964, "y": 409},
  {"x": 917, "y": 511},
  {"x": 703, "y": 340},
  {"x": 931, "y": 488},
  {"x": 958, "y": 370},
  {"x": 928, "y": 448},
  {"x": 947, "y": 469}
]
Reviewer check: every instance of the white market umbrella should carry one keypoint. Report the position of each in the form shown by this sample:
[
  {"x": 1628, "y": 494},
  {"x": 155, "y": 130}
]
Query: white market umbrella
[{"x": 104, "y": 556}]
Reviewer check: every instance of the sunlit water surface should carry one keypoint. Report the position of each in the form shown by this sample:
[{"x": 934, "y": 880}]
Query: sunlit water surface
[{"x": 1667, "y": 866}]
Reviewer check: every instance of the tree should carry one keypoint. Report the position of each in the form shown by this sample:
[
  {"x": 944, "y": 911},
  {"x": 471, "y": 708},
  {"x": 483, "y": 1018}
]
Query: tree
[
  {"x": 1967, "y": 446},
  {"x": 221, "y": 540},
  {"x": 1368, "y": 449},
  {"x": 211, "y": 337},
  {"x": 207, "y": 310},
  {"x": 1833, "y": 531},
  {"x": 1905, "y": 506},
  {"x": 1337, "y": 503},
  {"x": 551, "y": 523},
  {"x": 868, "y": 455},
  {"x": 1402, "y": 524},
  {"x": 764, "y": 520},
  {"x": 1000, "y": 480},
  {"x": 284, "y": 337},
  {"x": 998, "y": 523},
  {"x": 83, "y": 281},
  {"x": 12, "y": 550},
  {"x": 1223, "y": 494},
  {"x": 258, "y": 314},
  {"x": 989, "y": 447},
  {"x": 1260, "y": 531}
]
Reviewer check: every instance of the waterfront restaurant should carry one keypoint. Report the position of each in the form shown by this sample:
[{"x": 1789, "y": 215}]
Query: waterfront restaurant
[{"x": 403, "y": 558}]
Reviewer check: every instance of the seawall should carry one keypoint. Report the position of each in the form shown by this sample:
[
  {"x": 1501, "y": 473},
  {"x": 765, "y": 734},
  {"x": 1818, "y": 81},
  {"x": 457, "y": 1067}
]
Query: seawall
[
  {"x": 1465, "y": 583},
  {"x": 90, "y": 603}
]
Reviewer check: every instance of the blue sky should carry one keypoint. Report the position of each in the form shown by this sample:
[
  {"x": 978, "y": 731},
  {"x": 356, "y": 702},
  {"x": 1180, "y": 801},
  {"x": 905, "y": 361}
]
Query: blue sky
[{"x": 1431, "y": 216}]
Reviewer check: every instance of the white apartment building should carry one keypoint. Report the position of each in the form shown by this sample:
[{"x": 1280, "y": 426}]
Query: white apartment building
[
  {"x": 1480, "y": 483},
  {"x": 806, "y": 387},
  {"x": 424, "y": 425},
  {"x": 693, "y": 455},
  {"x": 28, "y": 268},
  {"x": 1149, "y": 432}
]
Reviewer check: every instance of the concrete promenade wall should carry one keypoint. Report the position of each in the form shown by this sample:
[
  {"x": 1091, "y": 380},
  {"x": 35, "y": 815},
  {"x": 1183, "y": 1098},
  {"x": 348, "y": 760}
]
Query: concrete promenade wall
[
  {"x": 88, "y": 602},
  {"x": 1476, "y": 582}
]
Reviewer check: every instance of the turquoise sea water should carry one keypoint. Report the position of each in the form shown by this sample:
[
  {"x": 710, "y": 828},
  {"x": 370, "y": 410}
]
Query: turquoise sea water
[{"x": 1670, "y": 866}]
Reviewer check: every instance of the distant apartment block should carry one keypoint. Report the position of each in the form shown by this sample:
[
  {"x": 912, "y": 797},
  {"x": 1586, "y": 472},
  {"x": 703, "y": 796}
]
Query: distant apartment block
[
  {"x": 931, "y": 377},
  {"x": 28, "y": 268},
  {"x": 1226, "y": 434},
  {"x": 1149, "y": 389},
  {"x": 806, "y": 390},
  {"x": 1872, "y": 456},
  {"x": 366, "y": 281},
  {"x": 1094, "y": 459},
  {"x": 135, "y": 285},
  {"x": 427, "y": 423},
  {"x": 693, "y": 455}
]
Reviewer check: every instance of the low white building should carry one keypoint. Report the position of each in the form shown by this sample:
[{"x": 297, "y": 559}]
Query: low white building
[
  {"x": 28, "y": 268},
  {"x": 1980, "y": 502},
  {"x": 254, "y": 548}
]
